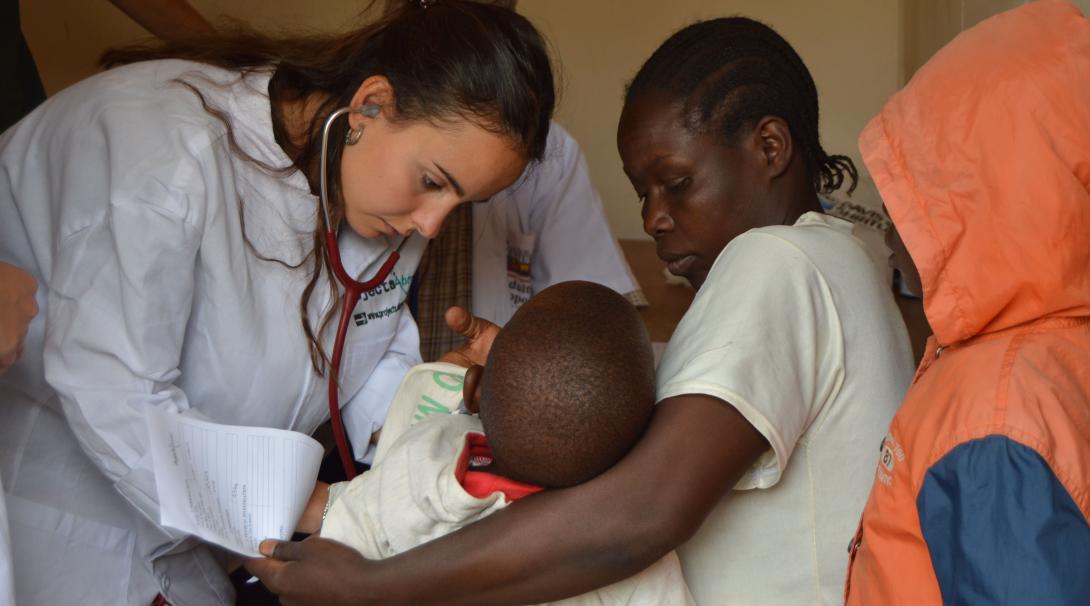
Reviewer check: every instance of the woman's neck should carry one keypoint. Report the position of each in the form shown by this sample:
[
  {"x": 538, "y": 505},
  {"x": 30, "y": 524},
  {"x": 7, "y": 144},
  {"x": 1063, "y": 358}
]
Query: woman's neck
[{"x": 798, "y": 195}]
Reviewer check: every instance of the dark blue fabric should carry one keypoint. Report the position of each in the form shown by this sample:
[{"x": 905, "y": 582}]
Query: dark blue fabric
[
  {"x": 20, "y": 87},
  {"x": 1001, "y": 528}
]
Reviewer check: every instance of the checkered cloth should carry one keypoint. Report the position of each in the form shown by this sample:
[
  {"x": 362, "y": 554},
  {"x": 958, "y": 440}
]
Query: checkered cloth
[{"x": 444, "y": 278}]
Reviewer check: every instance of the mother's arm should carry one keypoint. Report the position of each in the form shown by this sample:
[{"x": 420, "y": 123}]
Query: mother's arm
[{"x": 555, "y": 544}]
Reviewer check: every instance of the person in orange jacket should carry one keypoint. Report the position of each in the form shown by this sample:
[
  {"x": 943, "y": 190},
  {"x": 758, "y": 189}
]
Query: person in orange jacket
[{"x": 982, "y": 491}]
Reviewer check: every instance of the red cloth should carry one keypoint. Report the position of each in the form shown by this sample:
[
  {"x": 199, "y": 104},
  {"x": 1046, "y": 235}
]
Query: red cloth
[{"x": 481, "y": 484}]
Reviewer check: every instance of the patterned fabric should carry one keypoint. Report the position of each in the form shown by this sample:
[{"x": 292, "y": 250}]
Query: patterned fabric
[{"x": 445, "y": 279}]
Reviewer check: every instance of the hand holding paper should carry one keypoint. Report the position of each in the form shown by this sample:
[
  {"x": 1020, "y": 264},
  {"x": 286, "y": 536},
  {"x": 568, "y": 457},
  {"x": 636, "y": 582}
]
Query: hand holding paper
[{"x": 230, "y": 485}]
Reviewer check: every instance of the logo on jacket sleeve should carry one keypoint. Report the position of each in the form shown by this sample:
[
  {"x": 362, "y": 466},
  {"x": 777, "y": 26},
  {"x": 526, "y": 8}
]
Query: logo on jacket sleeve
[{"x": 891, "y": 453}]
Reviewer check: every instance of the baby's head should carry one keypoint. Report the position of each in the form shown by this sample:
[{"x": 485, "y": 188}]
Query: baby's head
[{"x": 569, "y": 386}]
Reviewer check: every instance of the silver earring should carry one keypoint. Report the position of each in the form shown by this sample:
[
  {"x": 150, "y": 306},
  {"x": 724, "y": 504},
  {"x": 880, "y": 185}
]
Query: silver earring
[{"x": 353, "y": 135}]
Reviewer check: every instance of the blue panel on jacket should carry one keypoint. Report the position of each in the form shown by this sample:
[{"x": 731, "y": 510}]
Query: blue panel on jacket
[{"x": 1001, "y": 528}]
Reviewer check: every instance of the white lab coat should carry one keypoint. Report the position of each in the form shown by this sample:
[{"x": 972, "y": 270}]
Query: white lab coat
[
  {"x": 548, "y": 227},
  {"x": 7, "y": 581},
  {"x": 122, "y": 196}
]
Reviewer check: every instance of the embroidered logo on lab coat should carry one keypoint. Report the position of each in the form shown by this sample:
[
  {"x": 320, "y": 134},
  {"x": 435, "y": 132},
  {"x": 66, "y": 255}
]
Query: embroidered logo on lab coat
[{"x": 396, "y": 284}]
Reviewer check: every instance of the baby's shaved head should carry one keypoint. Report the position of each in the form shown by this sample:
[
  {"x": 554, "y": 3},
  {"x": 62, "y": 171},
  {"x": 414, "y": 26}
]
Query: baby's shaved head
[{"x": 569, "y": 386}]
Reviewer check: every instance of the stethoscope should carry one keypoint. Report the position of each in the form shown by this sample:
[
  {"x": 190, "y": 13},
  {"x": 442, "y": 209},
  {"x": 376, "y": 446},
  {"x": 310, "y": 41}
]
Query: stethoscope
[{"x": 352, "y": 292}]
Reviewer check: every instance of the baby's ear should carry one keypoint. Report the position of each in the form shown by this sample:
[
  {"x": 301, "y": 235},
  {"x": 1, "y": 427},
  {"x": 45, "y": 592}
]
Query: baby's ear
[{"x": 471, "y": 388}]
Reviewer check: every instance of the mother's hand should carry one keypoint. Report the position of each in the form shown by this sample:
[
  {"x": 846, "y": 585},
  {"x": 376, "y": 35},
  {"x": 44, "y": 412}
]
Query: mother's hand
[
  {"x": 479, "y": 332},
  {"x": 314, "y": 572}
]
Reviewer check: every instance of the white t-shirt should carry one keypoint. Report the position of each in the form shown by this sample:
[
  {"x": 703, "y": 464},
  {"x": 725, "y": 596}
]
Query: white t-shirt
[
  {"x": 413, "y": 495},
  {"x": 796, "y": 327}
]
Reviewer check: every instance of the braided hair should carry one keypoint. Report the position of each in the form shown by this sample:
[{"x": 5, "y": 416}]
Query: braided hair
[{"x": 731, "y": 72}]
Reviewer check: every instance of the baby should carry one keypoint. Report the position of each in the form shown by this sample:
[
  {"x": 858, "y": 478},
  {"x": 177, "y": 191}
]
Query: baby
[{"x": 568, "y": 389}]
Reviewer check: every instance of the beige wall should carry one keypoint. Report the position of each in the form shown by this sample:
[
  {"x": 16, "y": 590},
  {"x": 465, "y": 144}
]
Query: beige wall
[
  {"x": 852, "y": 48},
  {"x": 67, "y": 36},
  {"x": 857, "y": 50}
]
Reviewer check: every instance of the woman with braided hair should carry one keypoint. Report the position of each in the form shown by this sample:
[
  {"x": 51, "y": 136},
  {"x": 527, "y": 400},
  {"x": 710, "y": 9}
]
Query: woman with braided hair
[{"x": 773, "y": 392}]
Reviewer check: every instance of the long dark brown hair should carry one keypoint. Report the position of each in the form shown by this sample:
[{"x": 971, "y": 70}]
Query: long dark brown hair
[{"x": 444, "y": 59}]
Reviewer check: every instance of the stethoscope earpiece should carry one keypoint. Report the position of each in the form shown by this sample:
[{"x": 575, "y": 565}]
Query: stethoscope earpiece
[{"x": 370, "y": 110}]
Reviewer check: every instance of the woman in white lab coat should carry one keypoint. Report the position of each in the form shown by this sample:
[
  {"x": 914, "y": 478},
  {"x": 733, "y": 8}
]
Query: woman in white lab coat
[
  {"x": 548, "y": 227},
  {"x": 167, "y": 208}
]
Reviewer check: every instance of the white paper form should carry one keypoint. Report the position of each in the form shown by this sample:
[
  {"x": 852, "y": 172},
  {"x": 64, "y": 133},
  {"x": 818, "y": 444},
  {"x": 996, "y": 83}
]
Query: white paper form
[{"x": 230, "y": 485}]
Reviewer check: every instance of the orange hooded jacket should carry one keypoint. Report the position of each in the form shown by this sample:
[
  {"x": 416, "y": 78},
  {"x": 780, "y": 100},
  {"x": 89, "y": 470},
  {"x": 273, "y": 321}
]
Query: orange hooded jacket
[{"x": 982, "y": 491}]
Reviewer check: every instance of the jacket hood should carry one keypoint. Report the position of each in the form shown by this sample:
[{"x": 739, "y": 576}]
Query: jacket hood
[{"x": 983, "y": 162}]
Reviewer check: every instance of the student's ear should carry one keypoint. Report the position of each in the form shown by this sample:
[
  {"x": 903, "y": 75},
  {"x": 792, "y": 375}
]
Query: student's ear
[
  {"x": 471, "y": 388},
  {"x": 375, "y": 92},
  {"x": 774, "y": 144}
]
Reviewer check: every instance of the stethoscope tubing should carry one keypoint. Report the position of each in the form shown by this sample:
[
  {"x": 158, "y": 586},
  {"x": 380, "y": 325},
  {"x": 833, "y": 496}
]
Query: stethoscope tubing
[{"x": 353, "y": 291}]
